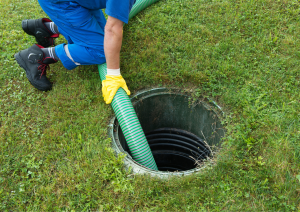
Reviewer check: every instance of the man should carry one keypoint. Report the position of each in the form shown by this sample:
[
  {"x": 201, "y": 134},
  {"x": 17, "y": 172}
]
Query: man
[{"x": 91, "y": 40}]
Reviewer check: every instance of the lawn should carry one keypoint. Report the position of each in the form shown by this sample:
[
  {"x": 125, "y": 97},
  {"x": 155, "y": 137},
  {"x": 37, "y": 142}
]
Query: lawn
[{"x": 55, "y": 153}]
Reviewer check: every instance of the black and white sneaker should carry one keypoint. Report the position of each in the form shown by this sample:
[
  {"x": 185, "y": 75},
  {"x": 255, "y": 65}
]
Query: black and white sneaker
[
  {"x": 32, "y": 60},
  {"x": 37, "y": 28}
]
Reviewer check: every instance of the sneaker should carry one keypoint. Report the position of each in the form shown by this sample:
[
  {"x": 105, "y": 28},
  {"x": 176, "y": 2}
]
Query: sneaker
[
  {"x": 32, "y": 60},
  {"x": 42, "y": 34}
]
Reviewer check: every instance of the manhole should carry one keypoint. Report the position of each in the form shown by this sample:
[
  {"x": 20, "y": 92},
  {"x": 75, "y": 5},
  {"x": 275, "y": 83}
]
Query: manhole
[{"x": 181, "y": 134}]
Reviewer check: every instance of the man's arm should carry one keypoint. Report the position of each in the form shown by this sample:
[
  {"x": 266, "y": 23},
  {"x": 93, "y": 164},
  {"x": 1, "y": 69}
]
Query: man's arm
[
  {"x": 113, "y": 42},
  {"x": 112, "y": 47}
]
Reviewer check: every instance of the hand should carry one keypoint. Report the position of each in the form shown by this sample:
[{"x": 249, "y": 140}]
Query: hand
[{"x": 111, "y": 85}]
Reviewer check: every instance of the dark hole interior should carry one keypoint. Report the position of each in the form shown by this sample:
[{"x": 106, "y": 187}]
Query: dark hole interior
[
  {"x": 175, "y": 149},
  {"x": 178, "y": 133}
]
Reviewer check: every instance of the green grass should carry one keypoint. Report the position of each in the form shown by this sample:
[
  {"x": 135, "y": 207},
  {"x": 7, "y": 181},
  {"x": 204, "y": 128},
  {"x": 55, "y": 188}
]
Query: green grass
[{"x": 54, "y": 150}]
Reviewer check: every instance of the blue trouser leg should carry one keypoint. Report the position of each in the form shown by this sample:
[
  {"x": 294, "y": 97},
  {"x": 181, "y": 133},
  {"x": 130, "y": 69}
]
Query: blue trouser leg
[{"x": 83, "y": 29}]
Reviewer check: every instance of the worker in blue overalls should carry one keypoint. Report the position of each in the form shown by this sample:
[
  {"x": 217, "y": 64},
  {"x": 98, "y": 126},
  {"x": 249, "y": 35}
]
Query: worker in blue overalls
[{"x": 91, "y": 40}]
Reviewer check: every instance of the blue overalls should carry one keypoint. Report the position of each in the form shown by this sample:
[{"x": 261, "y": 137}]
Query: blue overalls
[{"x": 82, "y": 23}]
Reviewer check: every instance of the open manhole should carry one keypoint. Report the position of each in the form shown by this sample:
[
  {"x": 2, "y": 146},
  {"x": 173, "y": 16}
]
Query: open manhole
[{"x": 181, "y": 134}]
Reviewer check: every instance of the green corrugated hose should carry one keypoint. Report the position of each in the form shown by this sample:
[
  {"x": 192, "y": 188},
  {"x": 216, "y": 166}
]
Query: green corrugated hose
[{"x": 125, "y": 113}]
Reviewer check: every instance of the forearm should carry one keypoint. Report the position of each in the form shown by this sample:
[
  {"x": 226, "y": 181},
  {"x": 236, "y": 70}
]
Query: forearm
[
  {"x": 112, "y": 47},
  {"x": 113, "y": 42}
]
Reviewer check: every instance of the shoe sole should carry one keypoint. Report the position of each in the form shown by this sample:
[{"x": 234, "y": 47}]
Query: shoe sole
[{"x": 22, "y": 64}]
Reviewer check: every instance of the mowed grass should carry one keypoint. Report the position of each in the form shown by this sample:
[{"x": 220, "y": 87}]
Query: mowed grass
[{"x": 55, "y": 153}]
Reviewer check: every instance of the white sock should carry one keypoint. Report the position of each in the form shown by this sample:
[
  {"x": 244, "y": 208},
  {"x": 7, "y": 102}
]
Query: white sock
[{"x": 114, "y": 72}]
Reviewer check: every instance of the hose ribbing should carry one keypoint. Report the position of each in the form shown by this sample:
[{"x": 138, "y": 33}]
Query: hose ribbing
[{"x": 125, "y": 112}]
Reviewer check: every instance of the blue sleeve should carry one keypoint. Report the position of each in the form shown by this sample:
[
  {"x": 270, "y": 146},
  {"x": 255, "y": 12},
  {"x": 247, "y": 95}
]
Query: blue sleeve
[{"x": 119, "y": 9}]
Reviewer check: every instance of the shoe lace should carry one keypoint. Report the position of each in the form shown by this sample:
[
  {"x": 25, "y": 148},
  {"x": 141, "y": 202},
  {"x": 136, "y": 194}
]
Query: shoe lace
[{"x": 43, "y": 68}]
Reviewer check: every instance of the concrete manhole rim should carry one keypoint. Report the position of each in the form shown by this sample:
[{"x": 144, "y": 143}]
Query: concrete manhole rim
[{"x": 137, "y": 168}]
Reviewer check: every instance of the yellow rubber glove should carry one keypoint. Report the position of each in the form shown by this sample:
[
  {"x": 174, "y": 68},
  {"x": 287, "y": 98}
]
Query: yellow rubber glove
[{"x": 111, "y": 85}]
